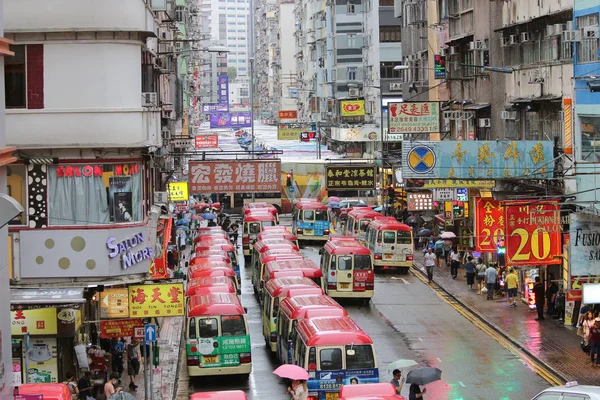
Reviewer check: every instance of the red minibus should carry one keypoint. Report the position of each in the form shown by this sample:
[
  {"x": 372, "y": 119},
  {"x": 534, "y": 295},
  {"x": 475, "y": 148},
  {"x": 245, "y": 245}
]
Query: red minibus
[
  {"x": 258, "y": 268},
  {"x": 371, "y": 391},
  {"x": 358, "y": 221},
  {"x": 207, "y": 235},
  {"x": 209, "y": 281},
  {"x": 306, "y": 267},
  {"x": 252, "y": 226},
  {"x": 268, "y": 208},
  {"x": 210, "y": 258},
  {"x": 391, "y": 244},
  {"x": 223, "y": 395},
  {"x": 347, "y": 269}
]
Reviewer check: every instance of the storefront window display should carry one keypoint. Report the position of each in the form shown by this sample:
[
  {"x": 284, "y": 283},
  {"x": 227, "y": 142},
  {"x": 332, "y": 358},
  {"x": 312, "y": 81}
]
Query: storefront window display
[{"x": 88, "y": 194}]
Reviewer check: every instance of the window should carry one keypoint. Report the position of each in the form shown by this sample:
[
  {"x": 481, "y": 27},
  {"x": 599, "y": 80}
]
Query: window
[
  {"x": 573, "y": 396},
  {"x": 512, "y": 129},
  {"x": 403, "y": 237},
  {"x": 208, "y": 328},
  {"x": 331, "y": 359},
  {"x": 362, "y": 263},
  {"x": 364, "y": 224},
  {"x": 345, "y": 263},
  {"x": 386, "y": 70},
  {"x": 351, "y": 7},
  {"x": 233, "y": 325},
  {"x": 532, "y": 126},
  {"x": 590, "y": 135},
  {"x": 254, "y": 227},
  {"x": 389, "y": 34},
  {"x": 192, "y": 328},
  {"x": 321, "y": 215},
  {"x": 351, "y": 40},
  {"x": 24, "y": 77},
  {"x": 309, "y": 215},
  {"x": 550, "y": 50},
  {"x": 389, "y": 237},
  {"x": 362, "y": 358},
  {"x": 87, "y": 194},
  {"x": 549, "y": 396},
  {"x": 351, "y": 73}
]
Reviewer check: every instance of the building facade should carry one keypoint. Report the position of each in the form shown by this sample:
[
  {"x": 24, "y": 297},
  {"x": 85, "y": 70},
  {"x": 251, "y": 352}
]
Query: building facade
[{"x": 229, "y": 25}]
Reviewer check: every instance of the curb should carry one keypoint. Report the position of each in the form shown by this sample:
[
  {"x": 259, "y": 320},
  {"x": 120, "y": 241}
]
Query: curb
[{"x": 557, "y": 375}]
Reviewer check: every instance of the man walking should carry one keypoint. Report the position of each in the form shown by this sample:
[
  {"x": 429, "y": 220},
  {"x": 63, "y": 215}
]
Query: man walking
[
  {"x": 490, "y": 281},
  {"x": 430, "y": 261},
  {"x": 512, "y": 282},
  {"x": 539, "y": 292}
]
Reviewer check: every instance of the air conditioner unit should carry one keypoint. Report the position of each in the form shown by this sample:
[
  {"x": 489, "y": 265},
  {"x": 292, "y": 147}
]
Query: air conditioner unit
[
  {"x": 166, "y": 134},
  {"x": 505, "y": 41},
  {"x": 149, "y": 99},
  {"x": 447, "y": 115},
  {"x": 353, "y": 92},
  {"x": 525, "y": 37},
  {"x": 559, "y": 28},
  {"x": 571, "y": 36},
  {"x": 444, "y": 52},
  {"x": 514, "y": 39},
  {"x": 550, "y": 30},
  {"x": 480, "y": 44},
  {"x": 569, "y": 26},
  {"x": 590, "y": 32},
  {"x": 453, "y": 50},
  {"x": 508, "y": 115},
  {"x": 472, "y": 46},
  {"x": 485, "y": 122},
  {"x": 167, "y": 114}
]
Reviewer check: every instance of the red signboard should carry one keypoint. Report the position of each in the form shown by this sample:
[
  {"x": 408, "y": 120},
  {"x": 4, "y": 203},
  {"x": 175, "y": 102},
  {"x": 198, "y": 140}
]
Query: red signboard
[
  {"x": 288, "y": 114},
  {"x": 119, "y": 327},
  {"x": 239, "y": 176},
  {"x": 207, "y": 141},
  {"x": 489, "y": 224},
  {"x": 533, "y": 232},
  {"x": 307, "y": 136}
]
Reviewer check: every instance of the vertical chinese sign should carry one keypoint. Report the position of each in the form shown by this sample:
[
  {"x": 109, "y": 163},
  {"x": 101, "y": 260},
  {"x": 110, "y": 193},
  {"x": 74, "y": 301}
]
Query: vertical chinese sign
[
  {"x": 235, "y": 176},
  {"x": 533, "y": 233},
  {"x": 156, "y": 300},
  {"x": 489, "y": 224}
]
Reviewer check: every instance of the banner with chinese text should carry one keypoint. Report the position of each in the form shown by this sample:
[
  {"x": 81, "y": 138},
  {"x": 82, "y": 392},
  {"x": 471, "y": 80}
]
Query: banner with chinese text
[
  {"x": 178, "y": 191},
  {"x": 165, "y": 300},
  {"x": 288, "y": 114},
  {"x": 239, "y": 176},
  {"x": 286, "y": 132},
  {"x": 350, "y": 177},
  {"x": 231, "y": 120},
  {"x": 489, "y": 224},
  {"x": 206, "y": 142},
  {"x": 353, "y": 108},
  {"x": 119, "y": 328},
  {"x": 533, "y": 232},
  {"x": 414, "y": 117}
]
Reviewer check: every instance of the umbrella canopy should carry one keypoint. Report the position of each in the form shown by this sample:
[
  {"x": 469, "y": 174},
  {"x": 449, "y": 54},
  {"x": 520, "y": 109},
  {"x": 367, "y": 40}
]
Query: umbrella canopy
[
  {"x": 208, "y": 216},
  {"x": 398, "y": 364},
  {"x": 333, "y": 199},
  {"x": 427, "y": 218},
  {"x": 291, "y": 371},
  {"x": 414, "y": 219},
  {"x": 183, "y": 221},
  {"x": 196, "y": 218},
  {"x": 448, "y": 235},
  {"x": 378, "y": 209},
  {"x": 122, "y": 395},
  {"x": 423, "y": 376},
  {"x": 424, "y": 232}
]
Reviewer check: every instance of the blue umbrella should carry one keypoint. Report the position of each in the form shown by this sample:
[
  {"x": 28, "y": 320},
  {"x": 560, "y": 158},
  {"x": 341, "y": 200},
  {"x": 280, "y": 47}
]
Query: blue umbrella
[
  {"x": 378, "y": 209},
  {"x": 423, "y": 232},
  {"x": 208, "y": 216},
  {"x": 183, "y": 221}
]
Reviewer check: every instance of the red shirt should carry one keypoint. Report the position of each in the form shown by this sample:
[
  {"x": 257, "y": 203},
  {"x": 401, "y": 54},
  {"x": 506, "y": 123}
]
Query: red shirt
[{"x": 595, "y": 334}]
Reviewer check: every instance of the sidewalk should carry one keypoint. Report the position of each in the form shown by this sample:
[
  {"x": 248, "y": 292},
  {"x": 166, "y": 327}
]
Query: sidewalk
[{"x": 549, "y": 341}]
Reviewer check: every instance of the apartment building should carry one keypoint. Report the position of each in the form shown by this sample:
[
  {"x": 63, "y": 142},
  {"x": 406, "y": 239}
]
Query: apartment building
[{"x": 230, "y": 26}]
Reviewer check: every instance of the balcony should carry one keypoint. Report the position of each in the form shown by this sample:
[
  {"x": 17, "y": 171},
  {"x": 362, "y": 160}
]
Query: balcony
[{"x": 77, "y": 15}]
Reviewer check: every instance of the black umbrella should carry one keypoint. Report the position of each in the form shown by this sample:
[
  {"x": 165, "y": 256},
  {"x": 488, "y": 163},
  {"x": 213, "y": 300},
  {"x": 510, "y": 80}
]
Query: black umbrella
[
  {"x": 414, "y": 219},
  {"x": 423, "y": 376}
]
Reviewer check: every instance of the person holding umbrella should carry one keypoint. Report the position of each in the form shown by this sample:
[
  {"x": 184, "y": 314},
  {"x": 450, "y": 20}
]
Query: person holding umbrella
[
  {"x": 298, "y": 389},
  {"x": 298, "y": 375},
  {"x": 416, "y": 392},
  {"x": 397, "y": 380},
  {"x": 421, "y": 376}
]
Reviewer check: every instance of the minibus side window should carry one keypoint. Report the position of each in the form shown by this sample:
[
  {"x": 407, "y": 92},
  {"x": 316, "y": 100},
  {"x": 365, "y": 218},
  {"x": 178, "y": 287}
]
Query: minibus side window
[
  {"x": 364, "y": 224},
  {"x": 331, "y": 359},
  {"x": 318, "y": 281},
  {"x": 275, "y": 307},
  {"x": 245, "y": 228},
  {"x": 300, "y": 352},
  {"x": 321, "y": 215},
  {"x": 309, "y": 215},
  {"x": 293, "y": 330},
  {"x": 233, "y": 325},
  {"x": 312, "y": 356},
  {"x": 268, "y": 223},
  {"x": 362, "y": 358},
  {"x": 378, "y": 236},
  {"x": 283, "y": 324},
  {"x": 389, "y": 237},
  {"x": 267, "y": 303},
  {"x": 192, "y": 328},
  {"x": 344, "y": 263},
  {"x": 333, "y": 263},
  {"x": 254, "y": 227},
  {"x": 362, "y": 262},
  {"x": 404, "y": 237},
  {"x": 208, "y": 328}
]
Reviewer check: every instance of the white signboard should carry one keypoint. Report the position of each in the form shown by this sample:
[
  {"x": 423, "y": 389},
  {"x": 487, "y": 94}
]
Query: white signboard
[{"x": 444, "y": 194}]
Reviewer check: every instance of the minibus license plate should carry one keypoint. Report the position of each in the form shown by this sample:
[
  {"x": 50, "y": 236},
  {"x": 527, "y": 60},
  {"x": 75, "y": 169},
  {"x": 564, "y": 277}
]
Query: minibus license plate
[
  {"x": 332, "y": 396},
  {"x": 389, "y": 256},
  {"x": 344, "y": 285},
  {"x": 308, "y": 231},
  {"x": 210, "y": 360}
]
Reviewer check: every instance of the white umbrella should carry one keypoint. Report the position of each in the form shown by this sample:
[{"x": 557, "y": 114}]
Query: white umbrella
[
  {"x": 448, "y": 235},
  {"x": 399, "y": 364}
]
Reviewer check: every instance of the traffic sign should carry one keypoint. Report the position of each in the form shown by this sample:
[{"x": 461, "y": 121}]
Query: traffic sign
[
  {"x": 150, "y": 332},
  {"x": 291, "y": 189},
  {"x": 138, "y": 332}
]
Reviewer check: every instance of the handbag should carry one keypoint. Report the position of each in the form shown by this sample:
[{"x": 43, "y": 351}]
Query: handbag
[
  {"x": 585, "y": 347},
  {"x": 484, "y": 290}
]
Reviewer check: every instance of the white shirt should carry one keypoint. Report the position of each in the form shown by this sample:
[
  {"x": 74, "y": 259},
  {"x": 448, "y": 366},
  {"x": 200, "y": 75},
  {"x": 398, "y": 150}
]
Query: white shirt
[
  {"x": 455, "y": 256},
  {"x": 429, "y": 259}
]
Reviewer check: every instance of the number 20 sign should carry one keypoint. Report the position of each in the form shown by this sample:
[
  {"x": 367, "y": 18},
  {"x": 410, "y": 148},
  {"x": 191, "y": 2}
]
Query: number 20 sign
[
  {"x": 489, "y": 224},
  {"x": 533, "y": 233}
]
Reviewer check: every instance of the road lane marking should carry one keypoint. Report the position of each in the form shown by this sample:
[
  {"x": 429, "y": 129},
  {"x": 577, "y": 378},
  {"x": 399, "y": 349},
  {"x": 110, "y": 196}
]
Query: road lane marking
[
  {"x": 405, "y": 281},
  {"x": 439, "y": 359},
  {"x": 461, "y": 384}
]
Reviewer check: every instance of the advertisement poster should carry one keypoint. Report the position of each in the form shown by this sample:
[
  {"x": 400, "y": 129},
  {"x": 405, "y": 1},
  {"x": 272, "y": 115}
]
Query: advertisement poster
[
  {"x": 307, "y": 182},
  {"x": 156, "y": 300},
  {"x": 489, "y": 224},
  {"x": 178, "y": 191},
  {"x": 120, "y": 198},
  {"x": 350, "y": 177},
  {"x": 353, "y": 108},
  {"x": 332, "y": 381},
  {"x": 414, "y": 117},
  {"x": 42, "y": 364},
  {"x": 220, "y": 351},
  {"x": 42, "y": 321},
  {"x": 206, "y": 142},
  {"x": 585, "y": 245},
  {"x": 119, "y": 328},
  {"x": 533, "y": 233},
  {"x": 223, "y": 84},
  {"x": 288, "y": 114},
  {"x": 231, "y": 120},
  {"x": 114, "y": 303},
  {"x": 286, "y": 132},
  {"x": 234, "y": 176}
]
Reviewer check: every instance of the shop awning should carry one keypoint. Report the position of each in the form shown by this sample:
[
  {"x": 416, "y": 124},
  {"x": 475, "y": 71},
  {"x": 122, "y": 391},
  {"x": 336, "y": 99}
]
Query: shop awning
[
  {"x": 477, "y": 106},
  {"x": 549, "y": 97},
  {"x": 46, "y": 296}
]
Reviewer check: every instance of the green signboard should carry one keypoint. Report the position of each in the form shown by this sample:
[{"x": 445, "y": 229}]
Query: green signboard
[{"x": 219, "y": 351}]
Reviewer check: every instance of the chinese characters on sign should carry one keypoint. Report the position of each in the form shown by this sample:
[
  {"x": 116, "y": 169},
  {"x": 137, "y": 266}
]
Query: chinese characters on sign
[
  {"x": 235, "y": 176},
  {"x": 178, "y": 191},
  {"x": 350, "y": 177},
  {"x": 352, "y": 108},
  {"x": 585, "y": 244},
  {"x": 119, "y": 328},
  {"x": 285, "y": 132},
  {"x": 307, "y": 136},
  {"x": 231, "y": 120},
  {"x": 207, "y": 142},
  {"x": 533, "y": 233},
  {"x": 156, "y": 300},
  {"x": 223, "y": 83},
  {"x": 419, "y": 201},
  {"x": 439, "y": 67},
  {"x": 489, "y": 223},
  {"x": 289, "y": 114},
  {"x": 415, "y": 117},
  {"x": 457, "y": 183}
]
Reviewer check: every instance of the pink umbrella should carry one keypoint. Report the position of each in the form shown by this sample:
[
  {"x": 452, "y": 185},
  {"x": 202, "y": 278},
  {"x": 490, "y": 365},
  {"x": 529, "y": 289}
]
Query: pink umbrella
[
  {"x": 291, "y": 371},
  {"x": 197, "y": 218},
  {"x": 333, "y": 199}
]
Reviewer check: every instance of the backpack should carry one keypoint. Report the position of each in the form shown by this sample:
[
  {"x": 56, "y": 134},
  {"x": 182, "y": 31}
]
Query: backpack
[{"x": 439, "y": 245}]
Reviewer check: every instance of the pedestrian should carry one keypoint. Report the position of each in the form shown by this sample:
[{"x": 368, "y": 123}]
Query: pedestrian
[
  {"x": 234, "y": 233},
  {"x": 430, "y": 260},
  {"x": 72, "y": 385},
  {"x": 416, "y": 392},
  {"x": 116, "y": 350},
  {"x": 512, "y": 282},
  {"x": 551, "y": 292},
  {"x": 84, "y": 386},
  {"x": 226, "y": 223},
  {"x": 470, "y": 270},
  {"x": 586, "y": 326},
  {"x": 211, "y": 222},
  {"x": 454, "y": 262},
  {"x": 539, "y": 292},
  {"x": 439, "y": 252},
  {"x": 133, "y": 363},
  {"x": 447, "y": 249},
  {"x": 110, "y": 386},
  {"x": 480, "y": 269},
  {"x": 490, "y": 281},
  {"x": 298, "y": 390},
  {"x": 595, "y": 343},
  {"x": 397, "y": 380}
]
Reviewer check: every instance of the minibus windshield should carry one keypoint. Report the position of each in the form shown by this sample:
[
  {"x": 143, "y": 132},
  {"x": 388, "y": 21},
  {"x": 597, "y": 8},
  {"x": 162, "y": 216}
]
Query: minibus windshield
[
  {"x": 344, "y": 263},
  {"x": 362, "y": 357},
  {"x": 321, "y": 215},
  {"x": 362, "y": 262},
  {"x": 233, "y": 325},
  {"x": 208, "y": 328}
]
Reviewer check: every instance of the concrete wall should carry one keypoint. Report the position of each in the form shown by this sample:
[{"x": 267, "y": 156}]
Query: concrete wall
[{"x": 287, "y": 52}]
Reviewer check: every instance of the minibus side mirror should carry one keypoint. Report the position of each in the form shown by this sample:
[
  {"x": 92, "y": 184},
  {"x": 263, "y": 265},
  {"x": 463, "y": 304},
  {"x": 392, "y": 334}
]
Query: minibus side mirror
[
  {"x": 321, "y": 251},
  {"x": 350, "y": 352},
  {"x": 246, "y": 310}
]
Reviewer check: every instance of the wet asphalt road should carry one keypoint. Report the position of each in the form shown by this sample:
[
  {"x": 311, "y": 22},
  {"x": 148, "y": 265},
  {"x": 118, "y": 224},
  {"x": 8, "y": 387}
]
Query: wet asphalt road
[{"x": 406, "y": 320}]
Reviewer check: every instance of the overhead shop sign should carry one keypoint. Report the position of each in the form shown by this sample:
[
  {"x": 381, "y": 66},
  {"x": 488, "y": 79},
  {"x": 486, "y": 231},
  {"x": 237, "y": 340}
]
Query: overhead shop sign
[
  {"x": 502, "y": 159},
  {"x": 178, "y": 191},
  {"x": 350, "y": 177},
  {"x": 419, "y": 201},
  {"x": 291, "y": 132},
  {"x": 366, "y": 133},
  {"x": 120, "y": 328},
  {"x": 114, "y": 303},
  {"x": 288, "y": 114},
  {"x": 352, "y": 108},
  {"x": 489, "y": 224},
  {"x": 244, "y": 176},
  {"x": 206, "y": 142},
  {"x": 413, "y": 117},
  {"x": 156, "y": 300},
  {"x": 458, "y": 183},
  {"x": 584, "y": 248}
]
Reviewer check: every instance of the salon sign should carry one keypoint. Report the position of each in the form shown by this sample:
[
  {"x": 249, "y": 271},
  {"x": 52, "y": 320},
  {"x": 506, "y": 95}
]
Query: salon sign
[{"x": 131, "y": 251}]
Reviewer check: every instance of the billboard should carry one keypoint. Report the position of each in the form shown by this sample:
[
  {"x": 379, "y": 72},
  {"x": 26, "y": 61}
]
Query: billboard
[
  {"x": 206, "y": 142},
  {"x": 350, "y": 177},
  {"x": 164, "y": 300},
  {"x": 585, "y": 245},
  {"x": 458, "y": 183},
  {"x": 288, "y": 114},
  {"x": 178, "y": 191},
  {"x": 231, "y": 120},
  {"x": 414, "y": 117},
  {"x": 308, "y": 182},
  {"x": 533, "y": 233},
  {"x": 214, "y": 108},
  {"x": 489, "y": 224},
  {"x": 366, "y": 133},
  {"x": 285, "y": 132},
  {"x": 352, "y": 108},
  {"x": 239, "y": 176},
  {"x": 223, "y": 87},
  {"x": 493, "y": 159}
]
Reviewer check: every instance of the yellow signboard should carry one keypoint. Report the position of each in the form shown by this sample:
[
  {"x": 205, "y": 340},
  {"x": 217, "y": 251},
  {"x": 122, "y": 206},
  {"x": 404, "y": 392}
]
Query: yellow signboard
[
  {"x": 156, "y": 300},
  {"x": 40, "y": 321},
  {"x": 114, "y": 303},
  {"x": 178, "y": 191},
  {"x": 289, "y": 133},
  {"x": 353, "y": 108},
  {"x": 457, "y": 183}
]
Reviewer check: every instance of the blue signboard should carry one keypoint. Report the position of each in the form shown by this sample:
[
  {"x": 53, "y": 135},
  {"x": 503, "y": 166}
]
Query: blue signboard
[
  {"x": 332, "y": 381},
  {"x": 470, "y": 159}
]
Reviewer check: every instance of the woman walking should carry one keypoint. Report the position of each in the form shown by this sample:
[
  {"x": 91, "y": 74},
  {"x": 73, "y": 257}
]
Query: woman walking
[
  {"x": 480, "y": 269},
  {"x": 454, "y": 262},
  {"x": 470, "y": 270},
  {"x": 298, "y": 390}
]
